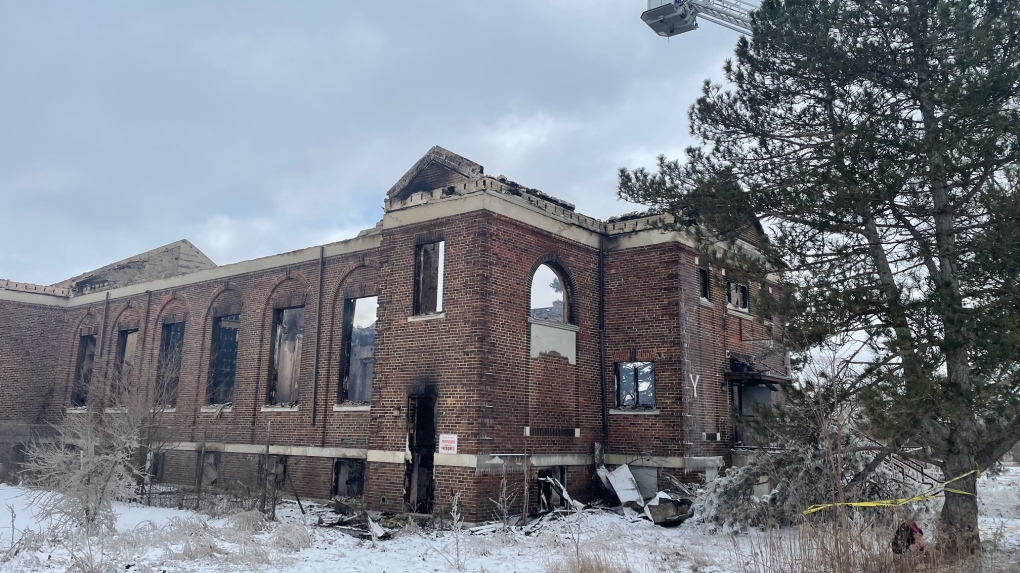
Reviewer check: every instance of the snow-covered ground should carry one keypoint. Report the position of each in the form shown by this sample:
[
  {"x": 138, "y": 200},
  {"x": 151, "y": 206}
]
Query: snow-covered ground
[{"x": 166, "y": 540}]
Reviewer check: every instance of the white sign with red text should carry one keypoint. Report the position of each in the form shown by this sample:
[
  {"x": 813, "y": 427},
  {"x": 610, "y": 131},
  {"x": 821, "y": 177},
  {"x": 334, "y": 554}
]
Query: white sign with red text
[{"x": 447, "y": 443}]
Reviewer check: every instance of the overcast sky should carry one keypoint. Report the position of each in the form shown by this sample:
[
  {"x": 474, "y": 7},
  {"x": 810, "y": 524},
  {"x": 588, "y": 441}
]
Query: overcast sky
[{"x": 253, "y": 128}]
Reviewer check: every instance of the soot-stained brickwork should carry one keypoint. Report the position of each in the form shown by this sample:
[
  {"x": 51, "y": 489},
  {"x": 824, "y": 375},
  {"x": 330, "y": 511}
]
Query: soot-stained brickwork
[{"x": 464, "y": 372}]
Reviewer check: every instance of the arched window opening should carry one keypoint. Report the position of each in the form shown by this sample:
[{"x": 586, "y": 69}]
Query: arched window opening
[{"x": 548, "y": 295}]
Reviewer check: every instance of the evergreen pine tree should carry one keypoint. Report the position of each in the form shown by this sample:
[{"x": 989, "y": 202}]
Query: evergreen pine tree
[{"x": 878, "y": 142}]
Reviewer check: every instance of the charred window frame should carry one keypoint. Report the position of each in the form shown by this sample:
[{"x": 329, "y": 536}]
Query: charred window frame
[
  {"x": 223, "y": 359},
  {"x": 168, "y": 369},
  {"x": 285, "y": 360},
  {"x": 550, "y": 494},
  {"x": 738, "y": 296},
  {"x": 83, "y": 370},
  {"x": 635, "y": 385},
  {"x": 705, "y": 283},
  {"x": 749, "y": 400},
  {"x": 127, "y": 355},
  {"x": 429, "y": 262},
  {"x": 358, "y": 367},
  {"x": 127, "y": 351}
]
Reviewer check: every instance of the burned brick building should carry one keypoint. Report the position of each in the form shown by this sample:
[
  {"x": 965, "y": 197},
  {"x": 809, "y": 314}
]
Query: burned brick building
[{"x": 479, "y": 321}]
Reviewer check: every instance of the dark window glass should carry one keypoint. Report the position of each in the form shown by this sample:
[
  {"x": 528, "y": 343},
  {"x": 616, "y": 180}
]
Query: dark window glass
[
  {"x": 754, "y": 398},
  {"x": 223, "y": 362},
  {"x": 168, "y": 370},
  {"x": 706, "y": 284},
  {"x": 288, "y": 334},
  {"x": 359, "y": 349},
  {"x": 157, "y": 464},
  {"x": 428, "y": 278},
  {"x": 635, "y": 384},
  {"x": 83, "y": 371}
]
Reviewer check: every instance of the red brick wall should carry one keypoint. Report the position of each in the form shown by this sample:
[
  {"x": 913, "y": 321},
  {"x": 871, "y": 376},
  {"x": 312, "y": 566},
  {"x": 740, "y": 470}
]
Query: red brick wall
[
  {"x": 475, "y": 360},
  {"x": 37, "y": 353}
]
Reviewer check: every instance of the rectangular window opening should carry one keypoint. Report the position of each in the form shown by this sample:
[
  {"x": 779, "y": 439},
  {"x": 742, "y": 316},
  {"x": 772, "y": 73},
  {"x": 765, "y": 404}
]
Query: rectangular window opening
[
  {"x": 737, "y": 296},
  {"x": 705, "y": 281},
  {"x": 360, "y": 316},
  {"x": 127, "y": 357},
  {"x": 223, "y": 362},
  {"x": 348, "y": 478},
  {"x": 168, "y": 369},
  {"x": 752, "y": 399},
  {"x": 208, "y": 467},
  {"x": 83, "y": 371},
  {"x": 635, "y": 382},
  {"x": 157, "y": 464},
  {"x": 428, "y": 278},
  {"x": 288, "y": 333},
  {"x": 552, "y": 484}
]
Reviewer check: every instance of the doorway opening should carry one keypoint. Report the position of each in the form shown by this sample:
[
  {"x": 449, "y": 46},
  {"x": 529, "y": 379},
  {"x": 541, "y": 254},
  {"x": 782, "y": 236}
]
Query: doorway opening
[{"x": 421, "y": 440}]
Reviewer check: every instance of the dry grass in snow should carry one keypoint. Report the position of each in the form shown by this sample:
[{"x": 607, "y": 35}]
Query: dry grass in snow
[{"x": 157, "y": 540}]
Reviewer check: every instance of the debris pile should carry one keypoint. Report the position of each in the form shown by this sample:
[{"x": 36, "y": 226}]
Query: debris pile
[{"x": 667, "y": 509}]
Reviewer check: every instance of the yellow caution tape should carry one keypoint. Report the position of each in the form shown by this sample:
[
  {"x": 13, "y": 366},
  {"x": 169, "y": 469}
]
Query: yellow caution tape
[{"x": 933, "y": 493}]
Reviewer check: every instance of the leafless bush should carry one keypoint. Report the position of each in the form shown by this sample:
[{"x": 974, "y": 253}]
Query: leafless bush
[
  {"x": 78, "y": 476},
  {"x": 504, "y": 502},
  {"x": 851, "y": 544},
  {"x": 292, "y": 537},
  {"x": 456, "y": 529},
  {"x": 590, "y": 562},
  {"x": 248, "y": 521}
]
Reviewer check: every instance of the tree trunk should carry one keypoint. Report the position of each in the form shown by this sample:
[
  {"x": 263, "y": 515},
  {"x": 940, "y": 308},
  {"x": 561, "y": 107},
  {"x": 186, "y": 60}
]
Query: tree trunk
[{"x": 959, "y": 533}]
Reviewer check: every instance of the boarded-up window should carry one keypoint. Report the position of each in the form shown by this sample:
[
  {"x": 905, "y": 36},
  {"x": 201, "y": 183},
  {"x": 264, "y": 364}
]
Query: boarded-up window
[
  {"x": 635, "y": 384},
  {"x": 359, "y": 349},
  {"x": 428, "y": 278},
  {"x": 223, "y": 359},
  {"x": 288, "y": 333},
  {"x": 83, "y": 371},
  {"x": 168, "y": 370}
]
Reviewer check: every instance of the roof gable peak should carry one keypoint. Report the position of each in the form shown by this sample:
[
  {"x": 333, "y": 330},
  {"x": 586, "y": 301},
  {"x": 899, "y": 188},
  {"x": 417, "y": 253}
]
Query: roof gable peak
[{"x": 437, "y": 168}]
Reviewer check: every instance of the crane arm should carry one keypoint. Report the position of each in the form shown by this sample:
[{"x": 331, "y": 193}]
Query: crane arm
[{"x": 672, "y": 17}]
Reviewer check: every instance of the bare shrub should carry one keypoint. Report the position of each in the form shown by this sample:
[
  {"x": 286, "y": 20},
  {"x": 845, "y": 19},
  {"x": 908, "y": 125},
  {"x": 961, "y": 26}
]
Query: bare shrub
[
  {"x": 249, "y": 521},
  {"x": 91, "y": 465},
  {"x": 590, "y": 562},
  {"x": 852, "y": 543},
  {"x": 250, "y": 554},
  {"x": 292, "y": 537}
]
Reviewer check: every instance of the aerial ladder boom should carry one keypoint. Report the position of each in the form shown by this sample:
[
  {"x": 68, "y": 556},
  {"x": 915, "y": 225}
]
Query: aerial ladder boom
[{"x": 671, "y": 17}]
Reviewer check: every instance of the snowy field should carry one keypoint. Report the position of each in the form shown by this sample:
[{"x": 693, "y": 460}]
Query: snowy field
[{"x": 166, "y": 540}]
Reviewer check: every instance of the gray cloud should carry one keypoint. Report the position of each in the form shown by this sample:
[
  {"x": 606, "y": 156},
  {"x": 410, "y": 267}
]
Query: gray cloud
[{"x": 260, "y": 127}]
